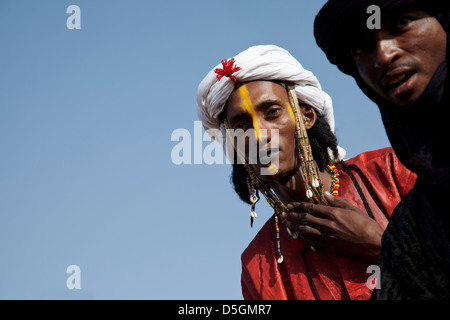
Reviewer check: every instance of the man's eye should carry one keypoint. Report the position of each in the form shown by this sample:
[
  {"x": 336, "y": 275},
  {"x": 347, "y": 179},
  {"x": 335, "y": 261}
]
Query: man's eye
[
  {"x": 403, "y": 22},
  {"x": 241, "y": 125},
  {"x": 361, "y": 46},
  {"x": 273, "y": 111}
]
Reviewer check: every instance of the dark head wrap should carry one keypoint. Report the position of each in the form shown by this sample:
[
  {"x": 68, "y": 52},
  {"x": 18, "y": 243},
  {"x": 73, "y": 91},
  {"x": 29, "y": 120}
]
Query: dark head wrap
[{"x": 420, "y": 144}]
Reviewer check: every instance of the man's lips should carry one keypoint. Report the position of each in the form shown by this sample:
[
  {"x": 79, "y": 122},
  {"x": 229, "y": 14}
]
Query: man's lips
[
  {"x": 395, "y": 78},
  {"x": 267, "y": 155}
]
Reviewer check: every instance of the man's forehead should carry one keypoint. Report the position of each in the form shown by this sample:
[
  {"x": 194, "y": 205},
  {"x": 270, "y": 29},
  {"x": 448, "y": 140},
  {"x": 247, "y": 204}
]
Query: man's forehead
[
  {"x": 260, "y": 91},
  {"x": 388, "y": 17},
  {"x": 257, "y": 93}
]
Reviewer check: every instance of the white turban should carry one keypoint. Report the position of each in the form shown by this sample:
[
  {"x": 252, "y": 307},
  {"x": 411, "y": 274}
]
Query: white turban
[{"x": 261, "y": 63}]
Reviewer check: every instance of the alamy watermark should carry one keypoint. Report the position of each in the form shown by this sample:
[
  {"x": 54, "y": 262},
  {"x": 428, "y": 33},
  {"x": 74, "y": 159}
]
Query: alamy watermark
[
  {"x": 257, "y": 147},
  {"x": 74, "y": 20},
  {"x": 374, "y": 281},
  {"x": 74, "y": 280},
  {"x": 374, "y": 21}
]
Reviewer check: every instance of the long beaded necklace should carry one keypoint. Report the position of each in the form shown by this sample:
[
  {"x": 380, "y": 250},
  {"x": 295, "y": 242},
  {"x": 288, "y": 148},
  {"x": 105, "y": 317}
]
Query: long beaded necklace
[{"x": 335, "y": 186}]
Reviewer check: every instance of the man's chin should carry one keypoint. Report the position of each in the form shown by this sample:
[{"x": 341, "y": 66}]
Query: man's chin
[{"x": 270, "y": 174}]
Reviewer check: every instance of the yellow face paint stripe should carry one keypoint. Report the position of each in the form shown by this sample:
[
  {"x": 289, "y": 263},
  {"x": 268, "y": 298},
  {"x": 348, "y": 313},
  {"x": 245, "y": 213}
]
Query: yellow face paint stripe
[
  {"x": 273, "y": 169},
  {"x": 248, "y": 107},
  {"x": 291, "y": 112}
]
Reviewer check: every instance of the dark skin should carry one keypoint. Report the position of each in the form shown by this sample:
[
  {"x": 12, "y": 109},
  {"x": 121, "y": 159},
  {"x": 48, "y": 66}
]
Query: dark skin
[
  {"x": 340, "y": 227},
  {"x": 398, "y": 61}
]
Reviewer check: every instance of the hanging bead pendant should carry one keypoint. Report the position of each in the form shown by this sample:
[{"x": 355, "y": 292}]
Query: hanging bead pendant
[{"x": 315, "y": 183}]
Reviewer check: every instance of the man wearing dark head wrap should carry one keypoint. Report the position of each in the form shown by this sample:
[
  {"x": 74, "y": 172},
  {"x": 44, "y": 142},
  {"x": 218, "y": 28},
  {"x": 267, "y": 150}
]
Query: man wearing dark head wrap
[{"x": 402, "y": 67}]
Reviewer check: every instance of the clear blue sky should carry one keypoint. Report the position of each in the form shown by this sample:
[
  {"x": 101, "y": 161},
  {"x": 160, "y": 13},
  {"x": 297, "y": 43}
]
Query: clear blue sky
[{"x": 86, "y": 118}]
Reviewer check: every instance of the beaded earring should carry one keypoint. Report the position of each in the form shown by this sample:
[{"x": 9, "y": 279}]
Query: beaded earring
[
  {"x": 313, "y": 185},
  {"x": 253, "y": 196}
]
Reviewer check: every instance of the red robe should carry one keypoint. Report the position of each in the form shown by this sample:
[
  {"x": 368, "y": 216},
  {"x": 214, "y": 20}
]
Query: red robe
[{"x": 384, "y": 181}]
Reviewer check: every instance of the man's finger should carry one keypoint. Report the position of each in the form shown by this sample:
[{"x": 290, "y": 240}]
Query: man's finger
[
  {"x": 298, "y": 217},
  {"x": 337, "y": 202},
  {"x": 309, "y": 236},
  {"x": 316, "y": 210},
  {"x": 304, "y": 231},
  {"x": 304, "y": 218},
  {"x": 299, "y": 206}
]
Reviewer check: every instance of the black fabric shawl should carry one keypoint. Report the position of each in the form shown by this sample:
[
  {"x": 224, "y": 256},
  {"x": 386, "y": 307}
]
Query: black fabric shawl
[{"x": 415, "y": 251}]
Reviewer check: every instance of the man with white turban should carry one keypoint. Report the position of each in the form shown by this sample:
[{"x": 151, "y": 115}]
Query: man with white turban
[{"x": 324, "y": 244}]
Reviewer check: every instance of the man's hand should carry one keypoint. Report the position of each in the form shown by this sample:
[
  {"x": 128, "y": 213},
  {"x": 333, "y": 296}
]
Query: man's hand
[{"x": 340, "y": 227}]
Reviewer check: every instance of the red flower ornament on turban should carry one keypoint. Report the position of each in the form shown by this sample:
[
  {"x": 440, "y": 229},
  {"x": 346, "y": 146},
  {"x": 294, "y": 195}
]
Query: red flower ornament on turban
[{"x": 227, "y": 70}]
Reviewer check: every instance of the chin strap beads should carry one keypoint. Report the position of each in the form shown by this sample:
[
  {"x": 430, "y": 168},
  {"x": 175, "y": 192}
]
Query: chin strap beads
[
  {"x": 280, "y": 259},
  {"x": 253, "y": 197},
  {"x": 278, "y": 208}
]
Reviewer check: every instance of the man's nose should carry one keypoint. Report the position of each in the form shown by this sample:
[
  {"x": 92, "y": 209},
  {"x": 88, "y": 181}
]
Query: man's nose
[
  {"x": 264, "y": 135},
  {"x": 386, "y": 51}
]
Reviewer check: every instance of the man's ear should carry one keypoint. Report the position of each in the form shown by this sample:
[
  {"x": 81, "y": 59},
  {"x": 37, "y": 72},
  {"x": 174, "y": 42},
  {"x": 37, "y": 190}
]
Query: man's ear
[{"x": 309, "y": 115}]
